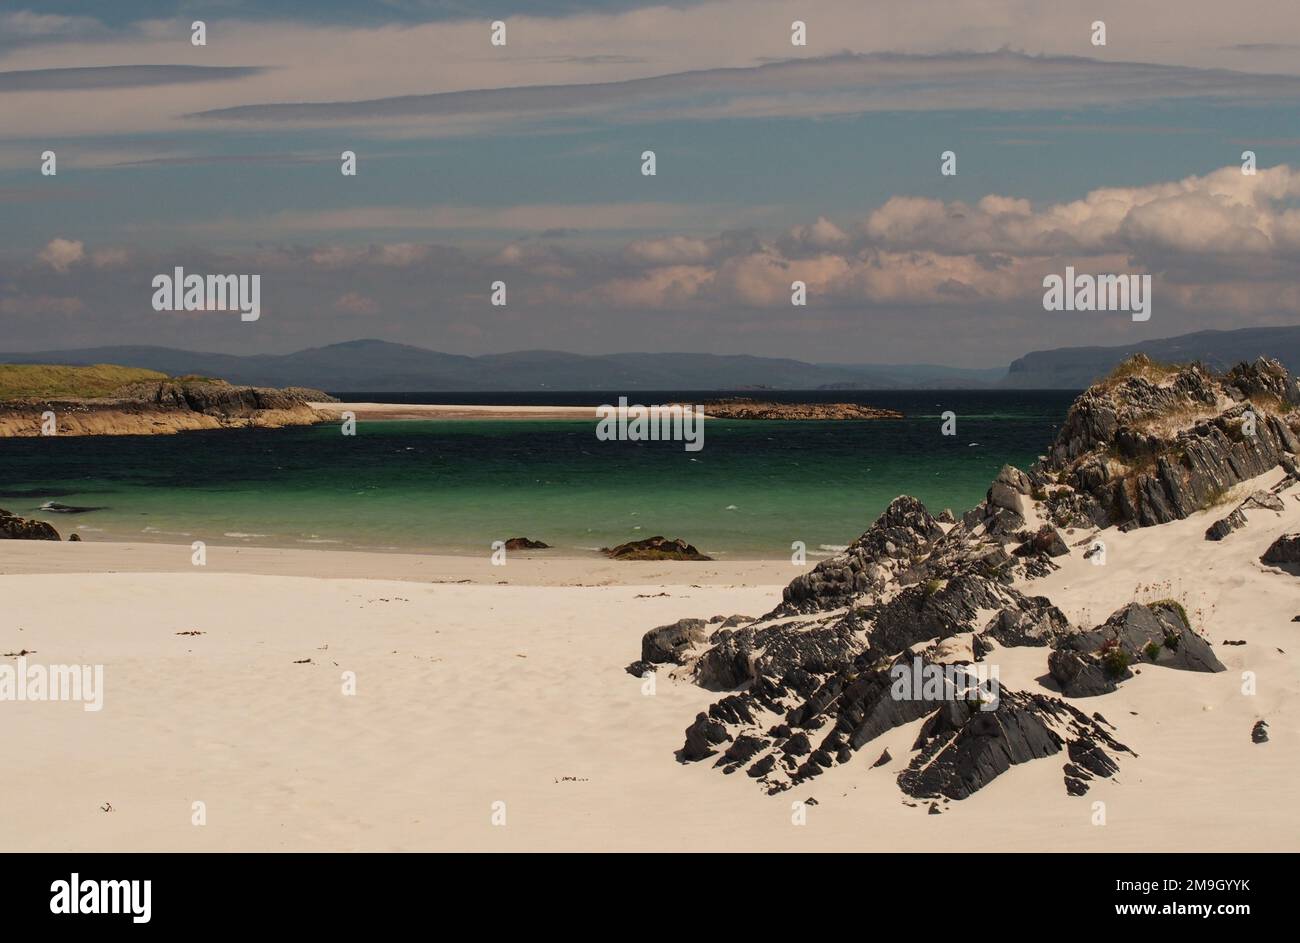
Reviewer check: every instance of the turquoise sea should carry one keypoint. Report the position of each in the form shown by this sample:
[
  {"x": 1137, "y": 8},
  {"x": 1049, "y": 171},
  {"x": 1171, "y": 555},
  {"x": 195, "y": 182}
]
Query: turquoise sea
[{"x": 456, "y": 486}]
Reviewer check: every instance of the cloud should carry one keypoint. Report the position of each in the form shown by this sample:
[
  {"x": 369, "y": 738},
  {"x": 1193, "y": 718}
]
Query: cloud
[
  {"x": 821, "y": 234},
  {"x": 188, "y": 160},
  {"x": 846, "y": 83},
  {"x": 1222, "y": 213},
  {"x": 388, "y": 255},
  {"x": 670, "y": 250},
  {"x": 21, "y": 27},
  {"x": 537, "y": 218},
  {"x": 354, "y": 303},
  {"x": 42, "y": 305},
  {"x": 722, "y": 57},
  {"x": 109, "y": 257},
  {"x": 943, "y": 281},
  {"x": 118, "y": 76},
  {"x": 62, "y": 254},
  {"x": 1225, "y": 235}
]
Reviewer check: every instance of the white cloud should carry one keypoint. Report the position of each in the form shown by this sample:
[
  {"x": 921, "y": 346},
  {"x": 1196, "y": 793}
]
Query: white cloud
[
  {"x": 1225, "y": 213},
  {"x": 62, "y": 254}
]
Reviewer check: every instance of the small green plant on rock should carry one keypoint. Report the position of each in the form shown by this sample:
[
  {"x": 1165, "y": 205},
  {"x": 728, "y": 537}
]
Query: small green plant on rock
[
  {"x": 1114, "y": 659},
  {"x": 1173, "y": 605}
]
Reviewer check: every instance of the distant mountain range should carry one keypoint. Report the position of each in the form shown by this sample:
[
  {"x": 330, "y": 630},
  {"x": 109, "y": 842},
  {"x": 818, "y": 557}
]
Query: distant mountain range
[{"x": 376, "y": 366}]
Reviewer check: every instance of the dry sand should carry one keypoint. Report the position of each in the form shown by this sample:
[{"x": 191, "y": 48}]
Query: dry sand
[{"x": 472, "y": 694}]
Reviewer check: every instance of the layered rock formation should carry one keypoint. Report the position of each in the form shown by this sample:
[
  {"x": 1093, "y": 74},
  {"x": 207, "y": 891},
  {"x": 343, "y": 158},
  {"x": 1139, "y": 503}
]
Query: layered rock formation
[
  {"x": 1153, "y": 444},
  {"x": 165, "y": 407},
  {"x": 808, "y": 686}
]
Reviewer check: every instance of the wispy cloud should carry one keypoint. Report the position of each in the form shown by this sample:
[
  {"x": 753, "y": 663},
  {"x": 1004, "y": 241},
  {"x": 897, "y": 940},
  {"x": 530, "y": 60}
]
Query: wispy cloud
[
  {"x": 567, "y": 218},
  {"x": 119, "y": 76},
  {"x": 841, "y": 84}
]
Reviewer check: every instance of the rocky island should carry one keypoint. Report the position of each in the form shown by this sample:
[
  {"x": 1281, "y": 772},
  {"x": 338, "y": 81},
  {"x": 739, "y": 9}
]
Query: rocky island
[{"x": 741, "y": 407}]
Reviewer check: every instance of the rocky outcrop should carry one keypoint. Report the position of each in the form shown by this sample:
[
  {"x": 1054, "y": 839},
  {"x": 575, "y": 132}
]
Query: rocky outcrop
[
  {"x": 1015, "y": 627},
  {"x": 1259, "y": 501},
  {"x": 667, "y": 643},
  {"x": 1086, "y": 664},
  {"x": 524, "y": 543},
  {"x": 1046, "y": 540},
  {"x": 160, "y": 408},
  {"x": 1285, "y": 551},
  {"x": 655, "y": 548},
  {"x": 1152, "y": 444},
  {"x": 962, "y": 749},
  {"x": 744, "y": 408},
  {"x": 904, "y": 532},
  {"x": 902, "y": 626},
  {"x": 13, "y": 527},
  {"x": 1226, "y": 525}
]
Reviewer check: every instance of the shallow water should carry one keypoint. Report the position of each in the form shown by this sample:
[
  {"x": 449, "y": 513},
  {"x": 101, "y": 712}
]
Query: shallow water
[{"x": 456, "y": 486}]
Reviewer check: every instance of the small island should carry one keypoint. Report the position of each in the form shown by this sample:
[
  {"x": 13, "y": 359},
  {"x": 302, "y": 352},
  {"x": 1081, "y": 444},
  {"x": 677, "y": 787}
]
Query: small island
[{"x": 742, "y": 407}]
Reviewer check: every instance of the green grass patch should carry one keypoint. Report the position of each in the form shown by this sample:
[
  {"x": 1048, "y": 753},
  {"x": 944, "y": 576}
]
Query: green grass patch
[
  {"x": 49, "y": 381},
  {"x": 1175, "y": 606}
]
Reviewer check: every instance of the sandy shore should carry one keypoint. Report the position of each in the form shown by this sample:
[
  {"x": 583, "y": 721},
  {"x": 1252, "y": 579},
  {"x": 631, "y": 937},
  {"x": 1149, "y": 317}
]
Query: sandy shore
[
  {"x": 522, "y": 567},
  {"x": 391, "y": 411},
  {"x": 470, "y": 694}
]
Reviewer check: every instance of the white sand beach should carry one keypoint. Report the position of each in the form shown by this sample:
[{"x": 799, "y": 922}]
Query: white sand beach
[
  {"x": 409, "y": 411},
  {"x": 511, "y": 688}
]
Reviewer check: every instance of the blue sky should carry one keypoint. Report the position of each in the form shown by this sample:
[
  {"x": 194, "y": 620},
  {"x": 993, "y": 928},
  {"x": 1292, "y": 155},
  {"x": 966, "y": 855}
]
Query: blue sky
[{"x": 522, "y": 163}]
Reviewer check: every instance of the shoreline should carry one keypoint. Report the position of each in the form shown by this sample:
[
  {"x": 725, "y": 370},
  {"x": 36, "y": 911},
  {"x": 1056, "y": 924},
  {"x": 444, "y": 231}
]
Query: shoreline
[
  {"x": 426, "y": 411},
  {"x": 522, "y": 567}
]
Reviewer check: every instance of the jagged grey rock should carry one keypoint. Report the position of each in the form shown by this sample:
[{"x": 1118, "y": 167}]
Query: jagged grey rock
[
  {"x": 805, "y": 687},
  {"x": 666, "y": 644},
  {"x": 1226, "y": 525},
  {"x": 1046, "y": 540},
  {"x": 1036, "y": 626},
  {"x": 1283, "y": 551},
  {"x": 1265, "y": 501},
  {"x": 1091, "y": 663}
]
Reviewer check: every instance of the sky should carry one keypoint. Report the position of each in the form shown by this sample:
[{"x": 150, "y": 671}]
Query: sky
[{"x": 522, "y": 163}]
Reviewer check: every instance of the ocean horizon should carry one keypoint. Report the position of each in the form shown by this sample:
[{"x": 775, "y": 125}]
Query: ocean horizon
[{"x": 455, "y": 486}]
